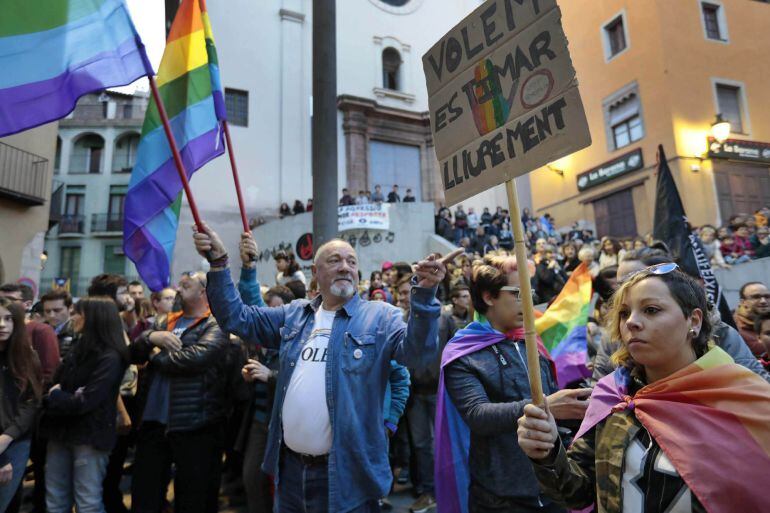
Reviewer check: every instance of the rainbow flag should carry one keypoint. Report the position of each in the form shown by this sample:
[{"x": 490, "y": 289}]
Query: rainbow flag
[
  {"x": 710, "y": 419},
  {"x": 52, "y": 52},
  {"x": 563, "y": 327},
  {"x": 189, "y": 86}
]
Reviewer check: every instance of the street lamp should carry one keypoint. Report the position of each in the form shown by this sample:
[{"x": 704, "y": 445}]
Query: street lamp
[{"x": 720, "y": 129}]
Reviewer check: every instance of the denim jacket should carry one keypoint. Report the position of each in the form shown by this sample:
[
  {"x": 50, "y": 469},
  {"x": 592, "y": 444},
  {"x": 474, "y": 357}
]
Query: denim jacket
[{"x": 355, "y": 387}]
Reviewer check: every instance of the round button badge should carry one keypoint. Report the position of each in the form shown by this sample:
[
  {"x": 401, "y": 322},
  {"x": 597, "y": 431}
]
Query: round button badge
[{"x": 357, "y": 354}]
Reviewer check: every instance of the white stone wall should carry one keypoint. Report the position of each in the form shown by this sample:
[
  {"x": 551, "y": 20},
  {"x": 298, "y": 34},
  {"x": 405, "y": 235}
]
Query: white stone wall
[
  {"x": 409, "y": 239},
  {"x": 274, "y": 64}
]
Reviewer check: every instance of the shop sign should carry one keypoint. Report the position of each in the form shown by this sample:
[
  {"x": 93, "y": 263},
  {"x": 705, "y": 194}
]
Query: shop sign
[
  {"x": 620, "y": 166},
  {"x": 733, "y": 149}
]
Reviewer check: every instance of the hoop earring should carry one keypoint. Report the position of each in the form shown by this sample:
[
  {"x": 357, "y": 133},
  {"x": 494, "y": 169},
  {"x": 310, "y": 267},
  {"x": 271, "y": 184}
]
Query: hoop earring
[{"x": 693, "y": 332}]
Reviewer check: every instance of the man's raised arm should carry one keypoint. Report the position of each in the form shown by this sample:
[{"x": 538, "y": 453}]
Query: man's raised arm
[
  {"x": 233, "y": 316},
  {"x": 417, "y": 345}
]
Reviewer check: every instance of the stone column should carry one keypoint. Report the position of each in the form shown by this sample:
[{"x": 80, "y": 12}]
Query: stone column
[{"x": 354, "y": 126}]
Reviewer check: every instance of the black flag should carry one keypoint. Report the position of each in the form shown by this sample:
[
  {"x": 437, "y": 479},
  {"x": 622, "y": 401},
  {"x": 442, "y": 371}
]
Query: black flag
[{"x": 671, "y": 226}]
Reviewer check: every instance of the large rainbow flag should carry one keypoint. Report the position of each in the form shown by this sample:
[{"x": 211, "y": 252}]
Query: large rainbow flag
[
  {"x": 712, "y": 421},
  {"x": 563, "y": 327},
  {"x": 189, "y": 86},
  {"x": 52, "y": 52}
]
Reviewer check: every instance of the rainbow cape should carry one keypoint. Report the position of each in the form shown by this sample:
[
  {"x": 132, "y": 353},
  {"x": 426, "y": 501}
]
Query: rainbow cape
[
  {"x": 563, "y": 327},
  {"x": 712, "y": 419},
  {"x": 452, "y": 475},
  {"x": 52, "y": 52},
  {"x": 191, "y": 91}
]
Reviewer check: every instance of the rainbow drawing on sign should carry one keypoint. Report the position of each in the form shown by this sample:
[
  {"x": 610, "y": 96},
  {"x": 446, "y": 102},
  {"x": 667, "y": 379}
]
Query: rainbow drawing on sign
[{"x": 489, "y": 106}]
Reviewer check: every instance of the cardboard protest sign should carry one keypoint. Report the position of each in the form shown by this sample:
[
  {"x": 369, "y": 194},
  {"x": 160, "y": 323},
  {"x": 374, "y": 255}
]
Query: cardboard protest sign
[{"x": 503, "y": 96}]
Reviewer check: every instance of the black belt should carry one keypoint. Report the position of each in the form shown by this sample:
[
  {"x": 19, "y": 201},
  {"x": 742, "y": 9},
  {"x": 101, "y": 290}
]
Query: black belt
[{"x": 309, "y": 459}]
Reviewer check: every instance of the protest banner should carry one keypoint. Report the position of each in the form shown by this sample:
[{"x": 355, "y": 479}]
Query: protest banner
[
  {"x": 504, "y": 100},
  {"x": 374, "y": 216}
]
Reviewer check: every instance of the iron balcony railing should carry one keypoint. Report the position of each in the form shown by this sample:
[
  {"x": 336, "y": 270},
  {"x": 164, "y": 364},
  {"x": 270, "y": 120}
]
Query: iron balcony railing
[
  {"x": 102, "y": 223},
  {"x": 22, "y": 175},
  {"x": 70, "y": 223}
]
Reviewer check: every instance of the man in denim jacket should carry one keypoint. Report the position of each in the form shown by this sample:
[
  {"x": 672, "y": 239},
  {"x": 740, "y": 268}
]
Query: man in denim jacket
[{"x": 326, "y": 446}]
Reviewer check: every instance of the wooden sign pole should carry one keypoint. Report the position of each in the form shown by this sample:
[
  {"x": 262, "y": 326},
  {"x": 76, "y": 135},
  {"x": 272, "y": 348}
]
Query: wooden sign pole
[{"x": 528, "y": 307}]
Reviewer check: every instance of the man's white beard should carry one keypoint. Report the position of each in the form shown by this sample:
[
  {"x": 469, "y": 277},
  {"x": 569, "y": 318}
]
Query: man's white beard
[{"x": 343, "y": 289}]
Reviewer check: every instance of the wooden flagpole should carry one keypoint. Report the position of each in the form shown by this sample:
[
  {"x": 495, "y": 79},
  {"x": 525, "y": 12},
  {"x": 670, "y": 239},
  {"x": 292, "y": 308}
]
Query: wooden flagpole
[
  {"x": 525, "y": 286},
  {"x": 175, "y": 151},
  {"x": 237, "y": 182}
]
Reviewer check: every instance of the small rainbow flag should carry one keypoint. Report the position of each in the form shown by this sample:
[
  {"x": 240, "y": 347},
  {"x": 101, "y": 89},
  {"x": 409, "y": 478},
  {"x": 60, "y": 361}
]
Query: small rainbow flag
[
  {"x": 563, "y": 327},
  {"x": 710, "y": 419},
  {"x": 189, "y": 86},
  {"x": 52, "y": 52}
]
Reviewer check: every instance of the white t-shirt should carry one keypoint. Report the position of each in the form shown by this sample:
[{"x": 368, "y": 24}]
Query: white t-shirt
[
  {"x": 280, "y": 279},
  {"x": 306, "y": 426}
]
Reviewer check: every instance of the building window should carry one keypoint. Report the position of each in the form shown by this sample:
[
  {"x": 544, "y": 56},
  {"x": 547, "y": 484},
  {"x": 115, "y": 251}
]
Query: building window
[
  {"x": 237, "y": 103},
  {"x": 74, "y": 204},
  {"x": 124, "y": 156},
  {"x": 391, "y": 63},
  {"x": 114, "y": 259},
  {"x": 615, "y": 37},
  {"x": 628, "y": 131},
  {"x": 714, "y": 21},
  {"x": 117, "y": 200},
  {"x": 69, "y": 267},
  {"x": 729, "y": 100},
  {"x": 623, "y": 117},
  {"x": 87, "y": 154}
]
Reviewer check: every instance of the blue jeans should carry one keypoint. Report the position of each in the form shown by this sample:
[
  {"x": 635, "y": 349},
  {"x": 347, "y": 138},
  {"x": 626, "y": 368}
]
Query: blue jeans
[
  {"x": 304, "y": 488},
  {"x": 17, "y": 455},
  {"x": 420, "y": 415},
  {"x": 74, "y": 474}
]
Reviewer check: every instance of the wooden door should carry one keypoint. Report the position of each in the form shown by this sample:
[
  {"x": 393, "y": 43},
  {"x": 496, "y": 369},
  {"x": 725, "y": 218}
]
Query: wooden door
[
  {"x": 615, "y": 215},
  {"x": 741, "y": 188}
]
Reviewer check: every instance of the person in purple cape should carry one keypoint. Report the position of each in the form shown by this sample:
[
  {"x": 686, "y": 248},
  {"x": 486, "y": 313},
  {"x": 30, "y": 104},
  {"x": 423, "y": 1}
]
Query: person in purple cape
[{"x": 483, "y": 389}]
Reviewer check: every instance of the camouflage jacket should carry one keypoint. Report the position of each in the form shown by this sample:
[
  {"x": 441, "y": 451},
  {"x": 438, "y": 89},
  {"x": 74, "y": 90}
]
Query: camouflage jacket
[{"x": 592, "y": 469}]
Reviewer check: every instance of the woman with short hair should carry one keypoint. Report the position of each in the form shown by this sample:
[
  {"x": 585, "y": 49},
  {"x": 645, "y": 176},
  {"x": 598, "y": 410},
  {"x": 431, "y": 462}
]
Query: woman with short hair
[
  {"x": 483, "y": 387},
  {"x": 678, "y": 427}
]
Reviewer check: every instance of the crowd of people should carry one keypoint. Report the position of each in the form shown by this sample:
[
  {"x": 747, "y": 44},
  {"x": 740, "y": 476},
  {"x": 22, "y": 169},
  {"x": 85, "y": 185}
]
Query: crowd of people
[
  {"x": 363, "y": 198},
  {"x": 319, "y": 394},
  {"x": 557, "y": 253}
]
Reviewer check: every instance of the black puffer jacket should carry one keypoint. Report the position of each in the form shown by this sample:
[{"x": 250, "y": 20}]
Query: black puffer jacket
[{"x": 198, "y": 373}]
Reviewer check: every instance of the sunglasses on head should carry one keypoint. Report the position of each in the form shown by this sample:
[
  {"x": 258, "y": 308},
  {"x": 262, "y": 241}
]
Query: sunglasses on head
[{"x": 656, "y": 270}]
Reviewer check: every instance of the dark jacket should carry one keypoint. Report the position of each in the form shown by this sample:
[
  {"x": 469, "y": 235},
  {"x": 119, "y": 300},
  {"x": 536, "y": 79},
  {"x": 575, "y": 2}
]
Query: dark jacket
[
  {"x": 425, "y": 381},
  {"x": 198, "y": 373},
  {"x": 17, "y": 411},
  {"x": 86, "y": 417},
  {"x": 269, "y": 359},
  {"x": 549, "y": 281},
  {"x": 445, "y": 229},
  {"x": 490, "y": 397}
]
